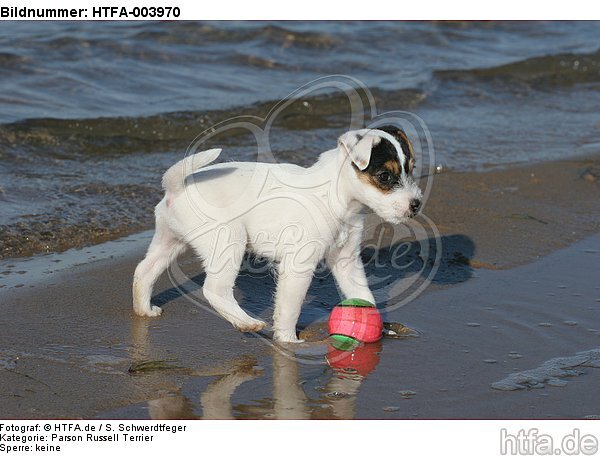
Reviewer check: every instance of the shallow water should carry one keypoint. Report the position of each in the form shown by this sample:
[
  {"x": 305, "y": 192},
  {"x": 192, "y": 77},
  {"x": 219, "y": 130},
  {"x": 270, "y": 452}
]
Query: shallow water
[{"x": 91, "y": 114}]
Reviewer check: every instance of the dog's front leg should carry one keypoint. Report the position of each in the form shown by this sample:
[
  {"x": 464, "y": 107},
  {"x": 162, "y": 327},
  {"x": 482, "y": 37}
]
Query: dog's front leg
[
  {"x": 348, "y": 269},
  {"x": 292, "y": 285}
]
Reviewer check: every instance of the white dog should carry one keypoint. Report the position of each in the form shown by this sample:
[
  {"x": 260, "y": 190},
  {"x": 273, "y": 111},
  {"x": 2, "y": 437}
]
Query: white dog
[{"x": 293, "y": 216}]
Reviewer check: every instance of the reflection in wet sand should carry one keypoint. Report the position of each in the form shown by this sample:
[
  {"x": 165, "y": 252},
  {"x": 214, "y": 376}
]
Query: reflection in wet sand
[
  {"x": 293, "y": 391},
  {"x": 350, "y": 369},
  {"x": 216, "y": 399},
  {"x": 291, "y": 397},
  {"x": 172, "y": 407}
]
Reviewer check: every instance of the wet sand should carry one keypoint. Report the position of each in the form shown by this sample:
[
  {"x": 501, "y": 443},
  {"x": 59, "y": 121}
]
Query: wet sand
[{"x": 68, "y": 338}]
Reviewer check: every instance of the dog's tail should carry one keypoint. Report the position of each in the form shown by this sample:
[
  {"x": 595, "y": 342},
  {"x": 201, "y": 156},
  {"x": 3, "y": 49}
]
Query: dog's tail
[{"x": 173, "y": 180}]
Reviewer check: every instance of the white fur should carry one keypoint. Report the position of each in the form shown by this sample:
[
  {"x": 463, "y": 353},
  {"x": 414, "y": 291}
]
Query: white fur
[{"x": 293, "y": 216}]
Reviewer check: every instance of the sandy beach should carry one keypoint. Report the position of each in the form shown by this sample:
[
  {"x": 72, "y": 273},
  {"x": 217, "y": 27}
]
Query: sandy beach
[{"x": 517, "y": 288}]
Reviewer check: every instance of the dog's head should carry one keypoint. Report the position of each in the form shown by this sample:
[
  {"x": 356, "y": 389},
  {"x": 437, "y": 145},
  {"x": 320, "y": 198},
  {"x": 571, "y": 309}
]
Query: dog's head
[{"x": 382, "y": 161}]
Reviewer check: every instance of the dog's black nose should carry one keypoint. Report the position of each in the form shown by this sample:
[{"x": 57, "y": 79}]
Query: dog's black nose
[{"x": 415, "y": 205}]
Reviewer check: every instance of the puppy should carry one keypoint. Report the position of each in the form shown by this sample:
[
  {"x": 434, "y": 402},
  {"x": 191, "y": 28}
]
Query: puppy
[{"x": 293, "y": 216}]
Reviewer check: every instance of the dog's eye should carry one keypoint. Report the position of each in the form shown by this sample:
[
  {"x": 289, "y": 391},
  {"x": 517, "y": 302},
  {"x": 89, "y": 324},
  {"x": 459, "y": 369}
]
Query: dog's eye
[{"x": 384, "y": 177}]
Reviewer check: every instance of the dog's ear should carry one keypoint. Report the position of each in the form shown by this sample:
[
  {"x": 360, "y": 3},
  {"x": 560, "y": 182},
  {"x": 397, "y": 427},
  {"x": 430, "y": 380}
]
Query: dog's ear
[
  {"x": 402, "y": 138},
  {"x": 358, "y": 147}
]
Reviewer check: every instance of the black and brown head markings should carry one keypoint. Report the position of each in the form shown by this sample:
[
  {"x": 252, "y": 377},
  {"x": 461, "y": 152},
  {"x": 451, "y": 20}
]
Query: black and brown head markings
[
  {"x": 384, "y": 171},
  {"x": 407, "y": 148}
]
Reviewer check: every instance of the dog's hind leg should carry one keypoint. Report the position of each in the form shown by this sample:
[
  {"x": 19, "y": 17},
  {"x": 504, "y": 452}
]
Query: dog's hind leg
[
  {"x": 222, "y": 269},
  {"x": 164, "y": 248}
]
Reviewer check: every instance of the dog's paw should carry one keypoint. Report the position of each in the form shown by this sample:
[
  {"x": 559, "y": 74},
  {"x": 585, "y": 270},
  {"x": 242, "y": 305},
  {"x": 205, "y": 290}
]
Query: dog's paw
[
  {"x": 250, "y": 325},
  {"x": 288, "y": 337},
  {"x": 153, "y": 311}
]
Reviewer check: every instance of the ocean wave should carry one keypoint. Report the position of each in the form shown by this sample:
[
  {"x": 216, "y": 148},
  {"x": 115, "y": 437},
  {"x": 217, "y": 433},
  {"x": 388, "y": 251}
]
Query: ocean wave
[
  {"x": 9, "y": 60},
  {"x": 560, "y": 70},
  {"x": 202, "y": 34},
  {"x": 110, "y": 136}
]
